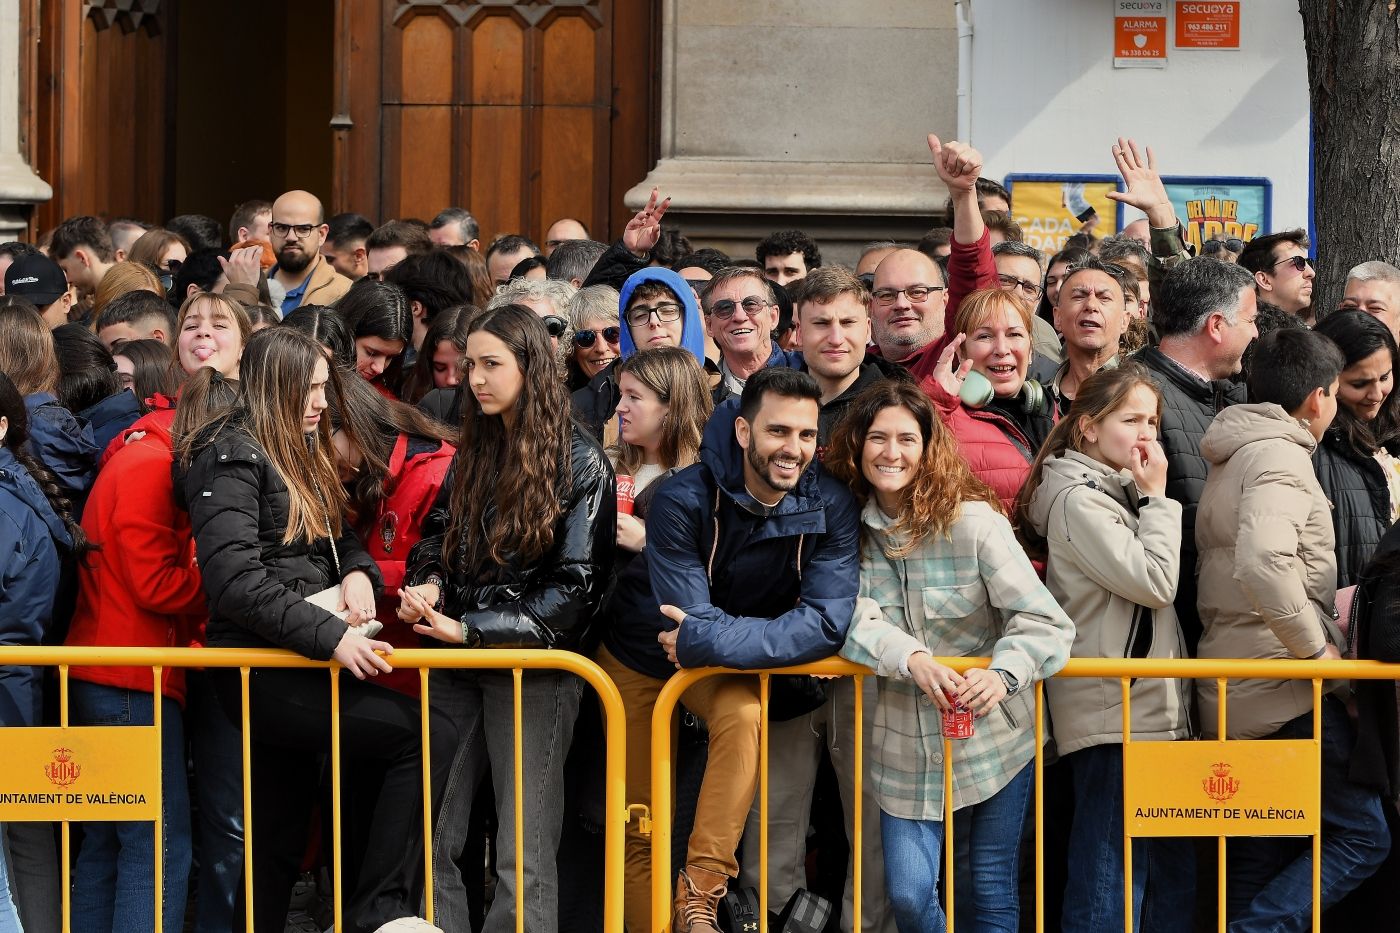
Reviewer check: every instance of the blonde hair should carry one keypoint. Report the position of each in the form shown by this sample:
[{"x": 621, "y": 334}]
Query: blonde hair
[
  {"x": 124, "y": 277},
  {"x": 984, "y": 304}
]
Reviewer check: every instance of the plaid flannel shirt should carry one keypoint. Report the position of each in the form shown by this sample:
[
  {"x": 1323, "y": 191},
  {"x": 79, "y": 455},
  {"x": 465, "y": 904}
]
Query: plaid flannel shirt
[{"x": 972, "y": 593}]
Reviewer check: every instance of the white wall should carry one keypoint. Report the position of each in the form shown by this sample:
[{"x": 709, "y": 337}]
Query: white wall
[{"x": 1046, "y": 97}]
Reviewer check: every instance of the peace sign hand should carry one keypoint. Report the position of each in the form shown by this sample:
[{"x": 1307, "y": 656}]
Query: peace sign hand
[{"x": 644, "y": 230}]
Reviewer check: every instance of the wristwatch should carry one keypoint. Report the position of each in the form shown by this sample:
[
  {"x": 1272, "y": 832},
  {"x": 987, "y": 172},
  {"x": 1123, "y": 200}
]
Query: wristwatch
[{"x": 1008, "y": 680}]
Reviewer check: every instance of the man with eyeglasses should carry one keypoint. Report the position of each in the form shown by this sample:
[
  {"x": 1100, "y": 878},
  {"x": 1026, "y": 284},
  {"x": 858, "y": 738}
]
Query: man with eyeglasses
[
  {"x": 656, "y": 308},
  {"x": 1283, "y": 271},
  {"x": 741, "y": 313},
  {"x": 298, "y": 229},
  {"x": 912, "y": 306},
  {"x": 1021, "y": 270}
]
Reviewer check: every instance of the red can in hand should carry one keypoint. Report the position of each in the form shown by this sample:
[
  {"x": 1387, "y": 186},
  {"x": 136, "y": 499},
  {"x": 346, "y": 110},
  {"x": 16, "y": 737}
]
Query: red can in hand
[
  {"x": 626, "y": 491},
  {"x": 958, "y": 721}
]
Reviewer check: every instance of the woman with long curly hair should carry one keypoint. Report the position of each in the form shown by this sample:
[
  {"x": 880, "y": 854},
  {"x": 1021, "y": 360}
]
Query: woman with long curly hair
[
  {"x": 942, "y": 575},
  {"x": 267, "y": 513},
  {"x": 517, "y": 553}
]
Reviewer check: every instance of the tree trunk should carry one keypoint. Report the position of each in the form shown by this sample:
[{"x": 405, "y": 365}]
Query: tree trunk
[{"x": 1353, "y": 51}]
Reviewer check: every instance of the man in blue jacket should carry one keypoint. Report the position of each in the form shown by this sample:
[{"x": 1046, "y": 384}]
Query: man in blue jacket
[{"x": 753, "y": 552}]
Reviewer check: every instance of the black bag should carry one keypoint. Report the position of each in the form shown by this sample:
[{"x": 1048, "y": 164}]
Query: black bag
[{"x": 805, "y": 912}]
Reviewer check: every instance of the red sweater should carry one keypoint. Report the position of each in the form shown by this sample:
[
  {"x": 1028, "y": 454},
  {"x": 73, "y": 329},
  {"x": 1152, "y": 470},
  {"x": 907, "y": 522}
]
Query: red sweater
[
  {"x": 409, "y": 493},
  {"x": 142, "y": 589}
]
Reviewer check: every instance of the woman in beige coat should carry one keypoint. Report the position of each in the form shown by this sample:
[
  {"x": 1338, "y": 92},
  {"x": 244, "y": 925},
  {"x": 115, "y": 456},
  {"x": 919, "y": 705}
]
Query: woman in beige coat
[{"x": 1096, "y": 506}]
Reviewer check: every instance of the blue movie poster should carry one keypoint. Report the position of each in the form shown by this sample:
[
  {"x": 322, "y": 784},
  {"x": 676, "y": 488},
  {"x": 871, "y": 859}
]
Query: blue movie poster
[{"x": 1221, "y": 208}]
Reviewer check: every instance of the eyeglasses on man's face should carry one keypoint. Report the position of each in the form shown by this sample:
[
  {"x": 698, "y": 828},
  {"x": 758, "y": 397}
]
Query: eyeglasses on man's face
[
  {"x": 1011, "y": 283},
  {"x": 282, "y": 231},
  {"x": 665, "y": 312},
  {"x": 887, "y": 296},
  {"x": 1230, "y": 244},
  {"x": 1299, "y": 263},
  {"x": 725, "y": 308}
]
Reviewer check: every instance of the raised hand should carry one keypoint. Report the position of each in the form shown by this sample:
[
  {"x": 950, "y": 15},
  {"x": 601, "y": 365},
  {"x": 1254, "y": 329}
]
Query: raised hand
[
  {"x": 945, "y": 374},
  {"x": 1145, "y": 190},
  {"x": 958, "y": 164},
  {"x": 644, "y": 230},
  {"x": 243, "y": 266}
]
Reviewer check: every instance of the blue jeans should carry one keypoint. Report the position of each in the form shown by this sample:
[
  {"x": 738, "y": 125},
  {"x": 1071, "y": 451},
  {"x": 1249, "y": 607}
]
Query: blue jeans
[
  {"x": 1269, "y": 886},
  {"x": 216, "y": 748},
  {"x": 1164, "y": 870},
  {"x": 482, "y": 704},
  {"x": 113, "y": 883},
  {"x": 913, "y": 857},
  {"x": 9, "y": 917}
]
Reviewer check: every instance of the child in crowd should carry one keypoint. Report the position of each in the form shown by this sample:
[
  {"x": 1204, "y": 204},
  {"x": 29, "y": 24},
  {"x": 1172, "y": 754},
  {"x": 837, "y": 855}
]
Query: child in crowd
[
  {"x": 1095, "y": 508},
  {"x": 1267, "y": 585}
]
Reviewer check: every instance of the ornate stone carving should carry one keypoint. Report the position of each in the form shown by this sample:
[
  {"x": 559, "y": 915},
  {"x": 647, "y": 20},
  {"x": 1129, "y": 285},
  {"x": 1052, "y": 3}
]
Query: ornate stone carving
[
  {"x": 531, "y": 11},
  {"x": 129, "y": 15}
]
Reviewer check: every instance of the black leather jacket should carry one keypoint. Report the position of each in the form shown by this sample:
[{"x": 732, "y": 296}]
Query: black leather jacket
[{"x": 552, "y": 602}]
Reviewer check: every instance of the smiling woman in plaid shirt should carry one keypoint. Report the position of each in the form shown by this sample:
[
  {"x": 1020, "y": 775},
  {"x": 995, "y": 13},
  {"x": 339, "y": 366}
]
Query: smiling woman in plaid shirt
[{"x": 942, "y": 575}]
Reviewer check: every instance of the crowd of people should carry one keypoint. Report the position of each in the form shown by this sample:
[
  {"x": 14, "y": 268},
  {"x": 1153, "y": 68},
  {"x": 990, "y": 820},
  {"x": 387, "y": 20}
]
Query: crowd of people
[{"x": 341, "y": 439}]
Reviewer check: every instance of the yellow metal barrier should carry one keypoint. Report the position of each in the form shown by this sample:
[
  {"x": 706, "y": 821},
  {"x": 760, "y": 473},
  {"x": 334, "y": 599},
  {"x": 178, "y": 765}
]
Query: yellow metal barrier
[
  {"x": 615, "y": 814},
  {"x": 1123, "y": 670}
]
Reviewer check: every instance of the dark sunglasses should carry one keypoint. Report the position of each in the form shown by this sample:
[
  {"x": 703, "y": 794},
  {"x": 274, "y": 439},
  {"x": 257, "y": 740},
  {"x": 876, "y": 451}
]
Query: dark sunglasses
[
  {"x": 586, "y": 338},
  {"x": 1232, "y": 244},
  {"x": 1299, "y": 263},
  {"x": 555, "y": 325}
]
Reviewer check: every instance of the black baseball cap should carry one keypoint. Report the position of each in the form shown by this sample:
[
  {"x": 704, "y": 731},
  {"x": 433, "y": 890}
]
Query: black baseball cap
[{"x": 37, "y": 278}]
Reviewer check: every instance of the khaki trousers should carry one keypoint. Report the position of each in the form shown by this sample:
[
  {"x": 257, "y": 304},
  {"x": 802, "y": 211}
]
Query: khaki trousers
[{"x": 729, "y": 706}]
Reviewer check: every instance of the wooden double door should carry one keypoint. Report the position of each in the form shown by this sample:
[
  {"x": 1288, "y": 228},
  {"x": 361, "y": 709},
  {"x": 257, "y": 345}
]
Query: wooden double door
[{"x": 523, "y": 112}]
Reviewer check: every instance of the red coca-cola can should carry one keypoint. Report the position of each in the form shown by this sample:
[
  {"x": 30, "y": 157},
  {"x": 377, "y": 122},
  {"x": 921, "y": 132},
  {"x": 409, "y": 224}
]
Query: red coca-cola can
[
  {"x": 958, "y": 722},
  {"x": 626, "y": 491}
]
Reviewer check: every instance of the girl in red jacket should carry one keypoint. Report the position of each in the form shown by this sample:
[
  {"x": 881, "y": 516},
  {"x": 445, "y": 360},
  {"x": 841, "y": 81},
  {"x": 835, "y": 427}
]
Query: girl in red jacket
[
  {"x": 141, "y": 590},
  {"x": 393, "y": 475}
]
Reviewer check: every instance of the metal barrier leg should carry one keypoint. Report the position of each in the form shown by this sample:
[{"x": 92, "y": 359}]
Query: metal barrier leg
[
  {"x": 858, "y": 806},
  {"x": 247, "y": 801},
  {"x": 763, "y": 687},
  {"x": 1126, "y": 686},
  {"x": 1221, "y": 894},
  {"x": 427, "y": 795},
  {"x": 337, "y": 900},
  {"x": 160, "y": 806},
  {"x": 67, "y": 855},
  {"x": 948, "y": 882},
  {"x": 1040, "y": 806},
  {"x": 519, "y": 807}
]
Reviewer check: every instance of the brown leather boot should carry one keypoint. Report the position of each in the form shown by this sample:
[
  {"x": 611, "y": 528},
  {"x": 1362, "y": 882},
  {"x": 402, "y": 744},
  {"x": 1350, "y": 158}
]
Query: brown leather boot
[{"x": 698, "y": 893}]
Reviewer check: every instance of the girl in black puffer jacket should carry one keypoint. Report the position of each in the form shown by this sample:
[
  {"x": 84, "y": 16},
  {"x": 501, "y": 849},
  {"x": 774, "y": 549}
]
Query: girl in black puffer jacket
[
  {"x": 266, "y": 507},
  {"x": 1356, "y": 461},
  {"x": 517, "y": 553}
]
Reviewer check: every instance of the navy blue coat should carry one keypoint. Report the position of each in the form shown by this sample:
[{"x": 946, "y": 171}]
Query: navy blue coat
[
  {"x": 111, "y": 416},
  {"x": 760, "y": 588},
  {"x": 31, "y": 535},
  {"x": 63, "y": 444}
]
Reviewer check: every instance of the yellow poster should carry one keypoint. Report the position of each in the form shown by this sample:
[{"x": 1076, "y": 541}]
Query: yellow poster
[
  {"x": 1050, "y": 212},
  {"x": 1235, "y": 788},
  {"x": 80, "y": 773}
]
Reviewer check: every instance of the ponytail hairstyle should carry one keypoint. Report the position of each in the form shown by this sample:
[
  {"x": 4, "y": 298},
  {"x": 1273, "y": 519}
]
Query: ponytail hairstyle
[
  {"x": 27, "y": 353},
  {"x": 678, "y": 380},
  {"x": 17, "y": 440},
  {"x": 1098, "y": 397},
  {"x": 523, "y": 473},
  {"x": 274, "y": 382},
  {"x": 207, "y": 397},
  {"x": 87, "y": 371},
  {"x": 450, "y": 326},
  {"x": 942, "y": 481},
  {"x": 361, "y": 411}
]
